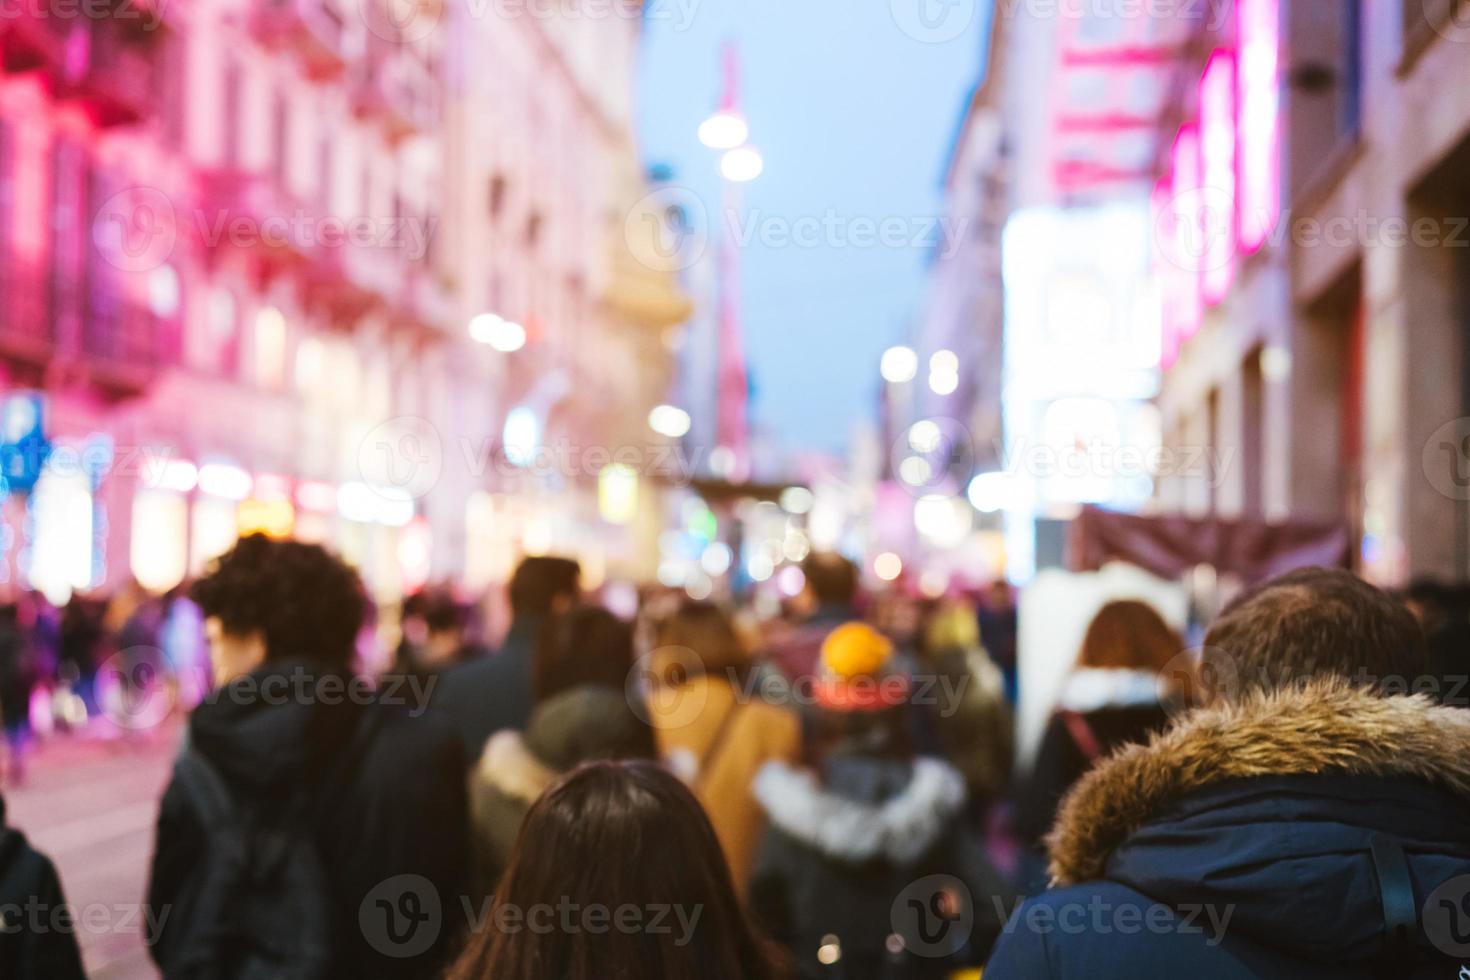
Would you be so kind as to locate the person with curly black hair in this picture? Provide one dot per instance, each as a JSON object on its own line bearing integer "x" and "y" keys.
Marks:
{"x": 301, "y": 792}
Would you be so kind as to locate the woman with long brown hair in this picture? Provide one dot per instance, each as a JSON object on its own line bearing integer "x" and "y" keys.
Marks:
{"x": 617, "y": 875}
{"x": 1111, "y": 698}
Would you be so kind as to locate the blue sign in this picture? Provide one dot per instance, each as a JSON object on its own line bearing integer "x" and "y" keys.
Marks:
{"x": 24, "y": 447}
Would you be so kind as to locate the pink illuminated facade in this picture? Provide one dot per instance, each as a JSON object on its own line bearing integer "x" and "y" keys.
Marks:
{"x": 1330, "y": 375}
{"x": 241, "y": 242}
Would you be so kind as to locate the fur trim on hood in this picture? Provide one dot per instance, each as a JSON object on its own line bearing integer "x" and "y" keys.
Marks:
{"x": 1321, "y": 727}
{"x": 508, "y": 766}
{"x": 900, "y": 829}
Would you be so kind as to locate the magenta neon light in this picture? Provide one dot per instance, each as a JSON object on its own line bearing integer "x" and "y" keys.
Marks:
{"x": 1165, "y": 273}
{"x": 1188, "y": 248}
{"x": 1259, "y": 79}
{"x": 1215, "y": 204}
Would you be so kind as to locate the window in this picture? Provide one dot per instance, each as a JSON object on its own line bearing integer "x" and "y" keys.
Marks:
{"x": 217, "y": 348}
{"x": 268, "y": 348}
{"x": 232, "y": 86}
{"x": 497, "y": 196}
{"x": 281, "y": 139}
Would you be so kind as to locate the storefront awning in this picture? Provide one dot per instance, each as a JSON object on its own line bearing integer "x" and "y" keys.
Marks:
{"x": 1169, "y": 546}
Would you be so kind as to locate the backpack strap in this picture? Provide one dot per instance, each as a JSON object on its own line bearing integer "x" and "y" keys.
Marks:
{"x": 717, "y": 743}
{"x": 1396, "y": 892}
{"x": 1082, "y": 735}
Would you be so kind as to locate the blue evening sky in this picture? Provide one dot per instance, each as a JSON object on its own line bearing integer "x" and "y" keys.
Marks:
{"x": 854, "y": 104}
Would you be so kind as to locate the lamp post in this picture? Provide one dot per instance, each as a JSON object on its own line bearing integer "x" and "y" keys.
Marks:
{"x": 727, "y": 131}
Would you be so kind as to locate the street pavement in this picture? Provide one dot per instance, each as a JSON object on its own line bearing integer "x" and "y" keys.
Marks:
{"x": 90, "y": 803}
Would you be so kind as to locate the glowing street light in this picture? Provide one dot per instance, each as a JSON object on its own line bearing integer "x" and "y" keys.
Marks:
{"x": 742, "y": 164}
{"x": 724, "y": 130}
{"x": 899, "y": 364}
{"x": 504, "y": 335}
{"x": 669, "y": 421}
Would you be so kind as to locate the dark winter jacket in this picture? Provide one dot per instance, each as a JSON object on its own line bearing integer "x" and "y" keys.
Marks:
{"x": 840, "y": 860}
{"x": 492, "y": 693}
{"x": 398, "y": 808}
{"x": 38, "y": 937}
{"x": 1283, "y": 837}
{"x": 573, "y": 727}
{"x": 1099, "y": 711}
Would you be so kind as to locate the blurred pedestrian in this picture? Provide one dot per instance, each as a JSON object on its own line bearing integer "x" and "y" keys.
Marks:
{"x": 971, "y": 715}
{"x": 713, "y": 726}
{"x": 297, "y": 794}
{"x": 1443, "y": 610}
{"x": 828, "y": 599}
{"x": 81, "y": 640}
{"x": 1111, "y": 698}
{"x": 17, "y": 679}
{"x": 617, "y": 874}
{"x": 185, "y": 650}
{"x": 1305, "y": 823}
{"x": 999, "y": 625}
{"x": 433, "y": 637}
{"x": 495, "y": 692}
{"x": 861, "y": 821}
{"x": 37, "y": 927}
{"x": 582, "y": 713}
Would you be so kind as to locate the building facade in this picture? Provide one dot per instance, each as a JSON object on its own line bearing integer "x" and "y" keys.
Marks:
{"x": 243, "y": 246}
{"x": 1325, "y": 355}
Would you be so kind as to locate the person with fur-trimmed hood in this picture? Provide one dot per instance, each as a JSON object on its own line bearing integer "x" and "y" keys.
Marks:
{"x": 1306, "y": 822}
{"x": 863, "y": 823}
{"x": 582, "y": 714}
{"x": 1111, "y": 698}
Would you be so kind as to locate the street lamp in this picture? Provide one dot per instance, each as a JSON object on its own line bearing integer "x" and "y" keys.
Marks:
{"x": 724, "y": 130}
{"x": 504, "y": 335}
{"x": 742, "y": 164}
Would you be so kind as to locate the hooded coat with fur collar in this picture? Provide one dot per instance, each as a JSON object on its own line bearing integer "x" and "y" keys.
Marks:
{"x": 1264, "y": 839}
{"x": 839, "y": 852}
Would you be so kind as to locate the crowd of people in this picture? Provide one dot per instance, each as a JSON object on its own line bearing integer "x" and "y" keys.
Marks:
{"x": 697, "y": 793}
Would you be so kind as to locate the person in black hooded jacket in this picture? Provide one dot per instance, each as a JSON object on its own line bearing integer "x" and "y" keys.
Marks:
{"x": 37, "y": 933}
{"x": 306, "y": 753}
{"x": 1304, "y": 823}
{"x": 867, "y": 870}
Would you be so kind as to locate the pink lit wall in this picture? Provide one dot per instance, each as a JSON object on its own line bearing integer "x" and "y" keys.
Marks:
{"x": 1259, "y": 199}
{"x": 1217, "y": 199}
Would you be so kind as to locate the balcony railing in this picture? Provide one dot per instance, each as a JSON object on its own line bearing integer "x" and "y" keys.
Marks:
{"x": 399, "y": 91}
{"x": 27, "y": 333}
{"x": 121, "y": 344}
{"x": 35, "y": 39}
{"x": 115, "y": 79}
{"x": 312, "y": 29}
{"x": 250, "y": 211}
{"x": 342, "y": 283}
